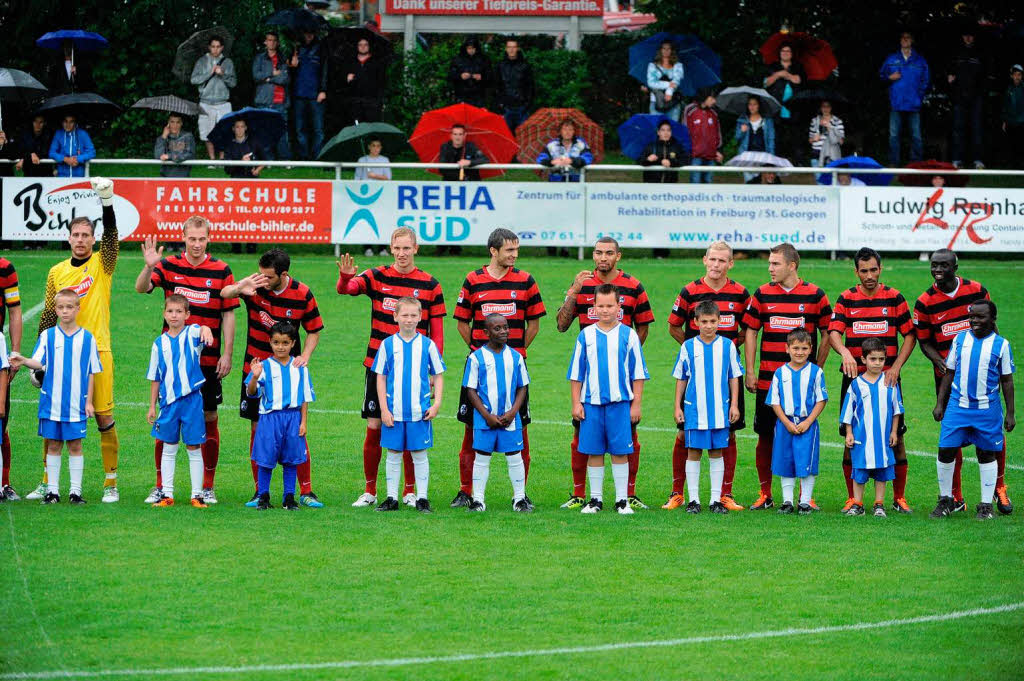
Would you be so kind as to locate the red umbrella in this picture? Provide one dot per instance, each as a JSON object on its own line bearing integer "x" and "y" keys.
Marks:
{"x": 916, "y": 180}
{"x": 488, "y": 131}
{"x": 545, "y": 125}
{"x": 814, "y": 54}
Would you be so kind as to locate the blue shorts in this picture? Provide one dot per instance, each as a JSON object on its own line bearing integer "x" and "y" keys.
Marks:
{"x": 606, "y": 429}
{"x": 277, "y": 439}
{"x": 61, "y": 430}
{"x": 489, "y": 440}
{"x": 862, "y": 475}
{"x": 411, "y": 435}
{"x": 184, "y": 416}
{"x": 982, "y": 428}
{"x": 795, "y": 456}
{"x": 708, "y": 439}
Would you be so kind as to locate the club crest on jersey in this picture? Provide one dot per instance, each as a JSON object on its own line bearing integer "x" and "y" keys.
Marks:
{"x": 209, "y": 282}
{"x": 266, "y": 319}
{"x": 504, "y": 309}
{"x": 513, "y": 295}
{"x": 288, "y": 313}
{"x": 885, "y": 311}
{"x": 83, "y": 287}
{"x": 193, "y": 296}
{"x": 800, "y": 308}
{"x": 732, "y": 306}
{"x": 415, "y": 293}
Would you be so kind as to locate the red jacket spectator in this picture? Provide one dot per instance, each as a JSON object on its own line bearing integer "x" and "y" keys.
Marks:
{"x": 705, "y": 132}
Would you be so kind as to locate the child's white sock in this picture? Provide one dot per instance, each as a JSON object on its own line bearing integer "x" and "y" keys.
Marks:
{"x": 392, "y": 471}
{"x": 421, "y": 467}
{"x": 989, "y": 473}
{"x": 170, "y": 452}
{"x": 787, "y": 489}
{"x": 717, "y": 467}
{"x": 945, "y": 478}
{"x": 595, "y": 475}
{"x": 76, "y": 464}
{"x": 53, "y": 473}
{"x": 620, "y": 474}
{"x": 517, "y": 474}
{"x": 693, "y": 479}
{"x": 806, "y": 489}
{"x": 481, "y": 471}
{"x": 195, "y": 470}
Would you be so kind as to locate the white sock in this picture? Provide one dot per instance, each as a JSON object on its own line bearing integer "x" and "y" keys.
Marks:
{"x": 595, "y": 475}
{"x": 195, "y": 470}
{"x": 76, "y": 464}
{"x": 53, "y": 473}
{"x": 421, "y": 467}
{"x": 806, "y": 489}
{"x": 787, "y": 489}
{"x": 945, "y": 478}
{"x": 392, "y": 471}
{"x": 517, "y": 474}
{"x": 167, "y": 468}
{"x": 717, "y": 467}
{"x": 693, "y": 479}
{"x": 989, "y": 473}
{"x": 620, "y": 474}
{"x": 481, "y": 471}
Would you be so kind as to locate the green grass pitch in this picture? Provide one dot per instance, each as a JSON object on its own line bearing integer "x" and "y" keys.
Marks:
{"x": 133, "y": 592}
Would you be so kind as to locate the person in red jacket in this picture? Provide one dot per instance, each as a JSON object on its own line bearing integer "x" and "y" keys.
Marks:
{"x": 701, "y": 119}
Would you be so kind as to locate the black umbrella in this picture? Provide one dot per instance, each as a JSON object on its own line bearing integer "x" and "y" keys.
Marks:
{"x": 18, "y": 87}
{"x": 345, "y": 39}
{"x": 196, "y": 46}
{"x": 297, "y": 20}
{"x": 734, "y": 100}
{"x": 168, "y": 103}
{"x": 264, "y": 125}
{"x": 82, "y": 105}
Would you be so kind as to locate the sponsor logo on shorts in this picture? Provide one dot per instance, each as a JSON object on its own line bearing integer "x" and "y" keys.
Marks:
{"x": 953, "y": 328}
{"x": 504, "y": 309}
{"x": 785, "y": 323}
{"x": 389, "y": 304}
{"x": 193, "y": 296}
{"x": 870, "y": 328}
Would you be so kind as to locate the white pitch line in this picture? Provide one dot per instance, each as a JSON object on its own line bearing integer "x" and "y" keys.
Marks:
{"x": 33, "y": 311}
{"x": 505, "y": 654}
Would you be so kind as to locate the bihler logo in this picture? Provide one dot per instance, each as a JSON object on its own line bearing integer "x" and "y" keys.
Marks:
{"x": 504, "y": 309}
{"x": 953, "y": 328}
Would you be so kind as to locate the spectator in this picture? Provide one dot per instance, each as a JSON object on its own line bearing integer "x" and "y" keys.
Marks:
{"x": 71, "y": 148}
{"x": 665, "y": 151}
{"x": 470, "y": 74}
{"x": 309, "y": 90}
{"x": 754, "y": 132}
{"x": 705, "y": 134}
{"x": 515, "y": 85}
{"x": 458, "y": 150}
{"x": 968, "y": 79}
{"x": 1013, "y": 116}
{"x": 174, "y": 146}
{"x": 365, "y": 79}
{"x": 242, "y": 148}
{"x": 8, "y": 152}
{"x": 270, "y": 76}
{"x": 826, "y": 136}
{"x": 908, "y": 77}
{"x": 664, "y": 74}
{"x": 565, "y": 154}
{"x": 374, "y": 146}
{"x": 783, "y": 81}
{"x": 769, "y": 177}
{"x": 34, "y": 147}
{"x": 214, "y": 73}
{"x": 70, "y": 73}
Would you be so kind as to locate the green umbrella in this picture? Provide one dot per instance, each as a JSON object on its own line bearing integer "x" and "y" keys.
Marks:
{"x": 350, "y": 143}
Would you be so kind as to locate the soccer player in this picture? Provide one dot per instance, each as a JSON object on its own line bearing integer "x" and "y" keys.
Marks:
{"x": 384, "y": 285}
{"x": 707, "y": 374}
{"x": 873, "y": 310}
{"x": 10, "y": 304}
{"x": 272, "y": 295}
{"x": 199, "y": 277}
{"x": 177, "y": 381}
{"x": 496, "y": 288}
{"x": 939, "y": 315}
{"x": 636, "y": 312}
{"x": 284, "y": 390}
{"x": 408, "y": 367}
{"x": 67, "y": 393}
{"x": 870, "y": 415}
{"x": 89, "y": 273}
{"x": 495, "y": 380}
{"x": 607, "y": 374}
{"x": 732, "y": 299}
{"x": 797, "y": 396}
{"x": 777, "y": 308}
{"x": 978, "y": 364}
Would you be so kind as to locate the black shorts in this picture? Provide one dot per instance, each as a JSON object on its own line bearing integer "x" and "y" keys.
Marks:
{"x": 764, "y": 415}
{"x": 371, "y": 408}
{"x": 212, "y": 391}
{"x": 740, "y": 424}
{"x": 900, "y": 429}
{"x": 465, "y": 413}
{"x": 248, "y": 407}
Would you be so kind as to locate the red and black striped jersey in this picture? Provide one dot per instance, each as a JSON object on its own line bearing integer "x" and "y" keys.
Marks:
{"x": 384, "y": 285}
{"x": 939, "y": 317}
{"x": 515, "y": 296}
{"x": 775, "y": 312}
{"x": 295, "y": 304}
{"x": 8, "y": 289}
{"x": 636, "y": 308}
{"x": 884, "y": 315}
{"x": 201, "y": 285}
{"x": 732, "y": 300}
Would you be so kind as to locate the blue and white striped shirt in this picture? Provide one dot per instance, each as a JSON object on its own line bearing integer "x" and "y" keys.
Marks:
{"x": 68, "y": 361}
{"x": 408, "y": 365}
{"x": 869, "y": 408}
{"x": 495, "y": 376}
{"x": 4, "y": 361}
{"x": 797, "y": 391}
{"x": 282, "y": 386}
{"x": 978, "y": 364}
{"x": 174, "y": 362}
{"x": 607, "y": 363}
{"x": 707, "y": 368}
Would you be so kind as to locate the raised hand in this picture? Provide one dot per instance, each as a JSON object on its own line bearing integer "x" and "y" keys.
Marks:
{"x": 250, "y": 284}
{"x": 346, "y": 265}
{"x": 150, "y": 253}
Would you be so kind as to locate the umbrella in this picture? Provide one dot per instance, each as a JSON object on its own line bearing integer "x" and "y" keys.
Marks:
{"x": 758, "y": 159}
{"x": 701, "y": 66}
{"x": 734, "y": 100}
{"x": 196, "y": 46}
{"x": 915, "y": 180}
{"x": 815, "y": 95}
{"x": 82, "y": 105}
{"x": 168, "y": 103}
{"x": 872, "y": 179}
{"x": 488, "y": 131}
{"x": 18, "y": 87}
{"x": 344, "y": 40}
{"x": 350, "y": 143}
{"x": 642, "y": 129}
{"x": 83, "y": 41}
{"x": 814, "y": 54}
{"x": 264, "y": 125}
{"x": 296, "y": 20}
{"x": 544, "y": 125}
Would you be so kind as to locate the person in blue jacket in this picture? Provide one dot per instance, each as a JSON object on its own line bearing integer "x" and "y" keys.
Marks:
{"x": 906, "y": 72}
{"x": 565, "y": 154}
{"x": 754, "y": 132}
{"x": 71, "y": 148}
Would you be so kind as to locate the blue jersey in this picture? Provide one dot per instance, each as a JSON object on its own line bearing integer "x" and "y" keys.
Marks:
{"x": 69, "y": 361}
{"x": 174, "y": 362}
{"x": 4, "y": 361}
{"x": 495, "y": 376}
{"x": 607, "y": 363}
{"x": 870, "y": 409}
{"x": 978, "y": 364}
{"x": 707, "y": 368}
{"x": 282, "y": 386}
{"x": 408, "y": 365}
{"x": 797, "y": 391}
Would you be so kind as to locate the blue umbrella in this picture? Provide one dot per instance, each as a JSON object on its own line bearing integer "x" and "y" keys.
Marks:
{"x": 265, "y": 126}
{"x": 83, "y": 41}
{"x": 701, "y": 66}
{"x": 642, "y": 129}
{"x": 872, "y": 179}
